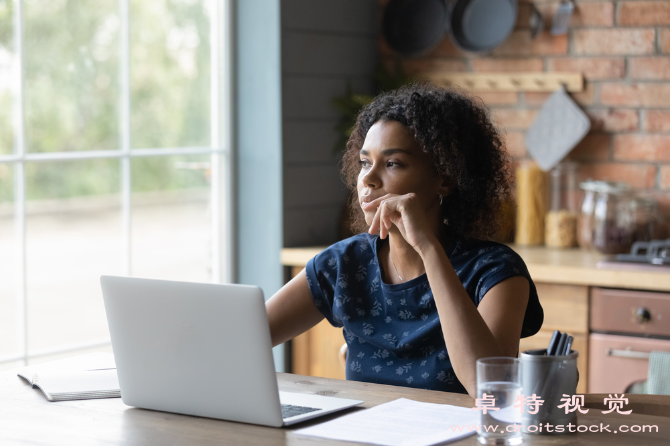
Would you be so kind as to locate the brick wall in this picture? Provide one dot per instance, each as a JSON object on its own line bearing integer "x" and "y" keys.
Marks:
{"x": 623, "y": 50}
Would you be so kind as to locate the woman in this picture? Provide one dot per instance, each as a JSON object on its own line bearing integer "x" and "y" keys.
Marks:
{"x": 421, "y": 294}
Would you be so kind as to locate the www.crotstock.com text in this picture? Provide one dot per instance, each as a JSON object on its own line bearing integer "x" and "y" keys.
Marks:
{"x": 554, "y": 428}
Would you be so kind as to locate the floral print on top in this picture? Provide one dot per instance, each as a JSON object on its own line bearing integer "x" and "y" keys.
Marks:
{"x": 393, "y": 332}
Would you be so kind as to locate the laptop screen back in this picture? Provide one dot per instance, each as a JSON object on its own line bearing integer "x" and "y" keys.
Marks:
{"x": 193, "y": 348}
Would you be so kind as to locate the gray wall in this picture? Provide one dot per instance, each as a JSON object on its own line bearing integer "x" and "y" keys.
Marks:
{"x": 324, "y": 44}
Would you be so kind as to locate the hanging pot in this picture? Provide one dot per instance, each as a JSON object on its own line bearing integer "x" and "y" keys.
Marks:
{"x": 414, "y": 27}
{"x": 481, "y": 25}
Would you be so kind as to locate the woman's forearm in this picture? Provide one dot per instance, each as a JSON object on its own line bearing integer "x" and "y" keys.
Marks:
{"x": 466, "y": 335}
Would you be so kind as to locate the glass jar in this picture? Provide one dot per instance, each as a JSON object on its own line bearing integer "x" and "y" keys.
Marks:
{"x": 531, "y": 199}
{"x": 612, "y": 220}
{"x": 646, "y": 219}
{"x": 561, "y": 220}
{"x": 585, "y": 221}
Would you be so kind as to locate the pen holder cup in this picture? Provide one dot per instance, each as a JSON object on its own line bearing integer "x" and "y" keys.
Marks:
{"x": 550, "y": 378}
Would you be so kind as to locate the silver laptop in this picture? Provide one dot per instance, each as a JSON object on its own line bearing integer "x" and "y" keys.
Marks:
{"x": 201, "y": 349}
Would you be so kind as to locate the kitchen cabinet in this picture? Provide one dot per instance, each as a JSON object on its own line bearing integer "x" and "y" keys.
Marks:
{"x": 565, "y": 280}
{"x": 626, "y": 326}
{"x": 316, "y": 352}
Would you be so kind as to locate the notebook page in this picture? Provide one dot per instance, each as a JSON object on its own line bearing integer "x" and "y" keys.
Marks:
{"x": 76, "y": 385}
{"x": 90, "y": 361}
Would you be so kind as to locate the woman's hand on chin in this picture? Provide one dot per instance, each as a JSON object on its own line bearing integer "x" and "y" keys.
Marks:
{"x": 405, "y": 213}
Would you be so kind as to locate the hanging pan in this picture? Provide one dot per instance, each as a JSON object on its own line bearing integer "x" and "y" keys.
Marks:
{"x": 414, "y": 27}
{"x": 481, "y": 25}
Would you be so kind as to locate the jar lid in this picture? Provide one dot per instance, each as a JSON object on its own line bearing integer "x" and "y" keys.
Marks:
{"x": 589, "y": 185}
{"x": 608, "y": 187}
{"x": 613, "y": 187}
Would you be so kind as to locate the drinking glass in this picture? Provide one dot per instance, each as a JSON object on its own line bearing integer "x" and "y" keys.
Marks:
{"x": 498, "y": 378}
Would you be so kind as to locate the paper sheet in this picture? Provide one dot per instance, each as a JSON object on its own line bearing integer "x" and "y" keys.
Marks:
{"x": 80, "y": 363}
{"x": 95, "y": 381}
{"x": 401, "y": 422}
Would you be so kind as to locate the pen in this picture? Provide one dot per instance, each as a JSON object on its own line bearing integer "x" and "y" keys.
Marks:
{"x": 552, "y": 344}
{"x": 568, "y": 344}
{"x": 561, "y": 344}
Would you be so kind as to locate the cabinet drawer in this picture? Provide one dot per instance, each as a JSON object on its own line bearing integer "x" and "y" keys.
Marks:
{"x": 626, "y": 311}
{"x": 611, "y": 370}
{"x": 566, "y": 307}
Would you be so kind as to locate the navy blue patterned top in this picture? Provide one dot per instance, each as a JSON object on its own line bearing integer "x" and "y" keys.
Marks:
{"x": 393, "y": 332}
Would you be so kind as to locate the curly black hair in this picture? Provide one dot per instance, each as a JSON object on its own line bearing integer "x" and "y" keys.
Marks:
{"x": 463, "y": 144}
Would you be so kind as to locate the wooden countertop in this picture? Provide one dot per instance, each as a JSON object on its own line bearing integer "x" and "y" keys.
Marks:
{"x": 28, "y": 418}
{"x": 563, "y": 266}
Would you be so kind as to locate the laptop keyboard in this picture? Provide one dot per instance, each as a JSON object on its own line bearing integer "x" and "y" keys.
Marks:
{"x": 288, "y": 410}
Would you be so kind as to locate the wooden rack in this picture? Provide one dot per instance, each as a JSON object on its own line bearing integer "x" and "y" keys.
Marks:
{"x": 572, "y": 82}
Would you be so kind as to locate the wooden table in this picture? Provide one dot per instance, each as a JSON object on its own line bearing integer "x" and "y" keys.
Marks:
{"x": 27, "y": 418}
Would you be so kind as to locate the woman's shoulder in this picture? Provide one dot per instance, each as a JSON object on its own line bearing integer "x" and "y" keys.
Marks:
{"x": 359, "y": 245}
{"x": 476, "y": 259}
{"x": 474, "y": 249}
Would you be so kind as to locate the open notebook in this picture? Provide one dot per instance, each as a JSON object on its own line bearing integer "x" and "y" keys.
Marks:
{"x": 78, "y": 378}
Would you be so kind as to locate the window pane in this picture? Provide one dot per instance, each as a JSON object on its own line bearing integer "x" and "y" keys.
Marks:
{"x": 71, "y": 75}
{"x": 8, "y": 265}
{"x": 171, "y": 223}
{"x": 69, "y": 354}
{"x": 6, "y": 77}
{"x": 169, "y": 73}
{"x": 73, "y": 236}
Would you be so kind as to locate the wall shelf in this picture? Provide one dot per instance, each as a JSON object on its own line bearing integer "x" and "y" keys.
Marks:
{"x": 547, "y": 82}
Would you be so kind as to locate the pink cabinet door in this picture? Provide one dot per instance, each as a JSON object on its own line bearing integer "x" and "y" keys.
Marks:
{"x": 615, "y": 362}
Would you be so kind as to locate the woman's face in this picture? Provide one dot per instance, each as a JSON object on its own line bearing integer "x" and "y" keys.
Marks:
{"x": 393, "y": 163}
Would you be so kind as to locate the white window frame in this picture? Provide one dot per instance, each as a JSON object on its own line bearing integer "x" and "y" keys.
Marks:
{"x": 220, "y": 150}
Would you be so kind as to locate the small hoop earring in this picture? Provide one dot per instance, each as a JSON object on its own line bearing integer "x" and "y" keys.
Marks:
{"x": 441, "y": 198}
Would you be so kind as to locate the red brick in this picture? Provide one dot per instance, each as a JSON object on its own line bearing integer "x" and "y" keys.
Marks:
{"x": 594, "y": 147}
{"x": 614, "y": 120}
{"x": 593, "y": 14}
{"x": 649, "y": 67}
{"x": 636, "y": 175}
{"x": 512, "y": 118}
{"x": 657, "y": 121}
{"x": 636, "y": 95}
{"x": 516, "y": 144}
{"x": 413, "y": 67}
{"x": 519, "y": 43}
{"x": 591, "y": 67}
{"x": 642, "y": 13}
{"x": 614, "y": 41}
{"x": 584, "y": 97}
{"x": 507, "y": 65}
{"x": 642, "y": 147}
{"x": 496, "y": 97}
{"x": 665, "y": 177}
{"x": 665, "y": 40}
{"x": 584, "y": 14}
